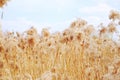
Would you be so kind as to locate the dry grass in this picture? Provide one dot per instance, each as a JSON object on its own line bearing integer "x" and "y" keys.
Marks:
{"x": 3, "y": 2}
{"x": 77, "y": 53}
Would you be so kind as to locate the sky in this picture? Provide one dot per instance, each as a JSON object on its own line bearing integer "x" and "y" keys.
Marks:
{"x": 57, "y": 15}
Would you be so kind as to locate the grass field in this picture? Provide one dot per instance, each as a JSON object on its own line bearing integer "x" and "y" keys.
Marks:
{"x": 80, "y": 52}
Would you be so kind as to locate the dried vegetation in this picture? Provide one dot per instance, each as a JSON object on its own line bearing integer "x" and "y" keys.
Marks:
{"x": 80, "y": 52}
{"x": 3, "y": 2}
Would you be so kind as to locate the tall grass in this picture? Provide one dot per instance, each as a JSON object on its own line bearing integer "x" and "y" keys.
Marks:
{"x": 81, "y": 52}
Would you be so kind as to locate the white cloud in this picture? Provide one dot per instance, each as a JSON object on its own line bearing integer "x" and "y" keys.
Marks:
{"x": 92, "y": 20}
{"x": 22, "y": 24}
{"x": 96, "y": 20}
{"x": 96, "y": 9}
{"x": 97, "y": 14}
{"x": 44, "y": 9}
{"x": 32, "y": 5}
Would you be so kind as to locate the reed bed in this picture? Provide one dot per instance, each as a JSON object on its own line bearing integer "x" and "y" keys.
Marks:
{"x": 80, "y": 52}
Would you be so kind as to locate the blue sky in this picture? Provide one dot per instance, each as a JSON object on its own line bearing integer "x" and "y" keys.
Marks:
{"x": 20, "y": 15}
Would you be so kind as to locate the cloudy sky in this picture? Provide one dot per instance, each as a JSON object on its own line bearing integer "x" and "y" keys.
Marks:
{"x": 20, "y": 15}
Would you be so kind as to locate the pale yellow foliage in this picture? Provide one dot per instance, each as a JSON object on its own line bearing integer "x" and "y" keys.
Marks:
{"x": 3, "y": 2}
{"x": 114, "y": 15}
{"x": 74, "y": 54}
